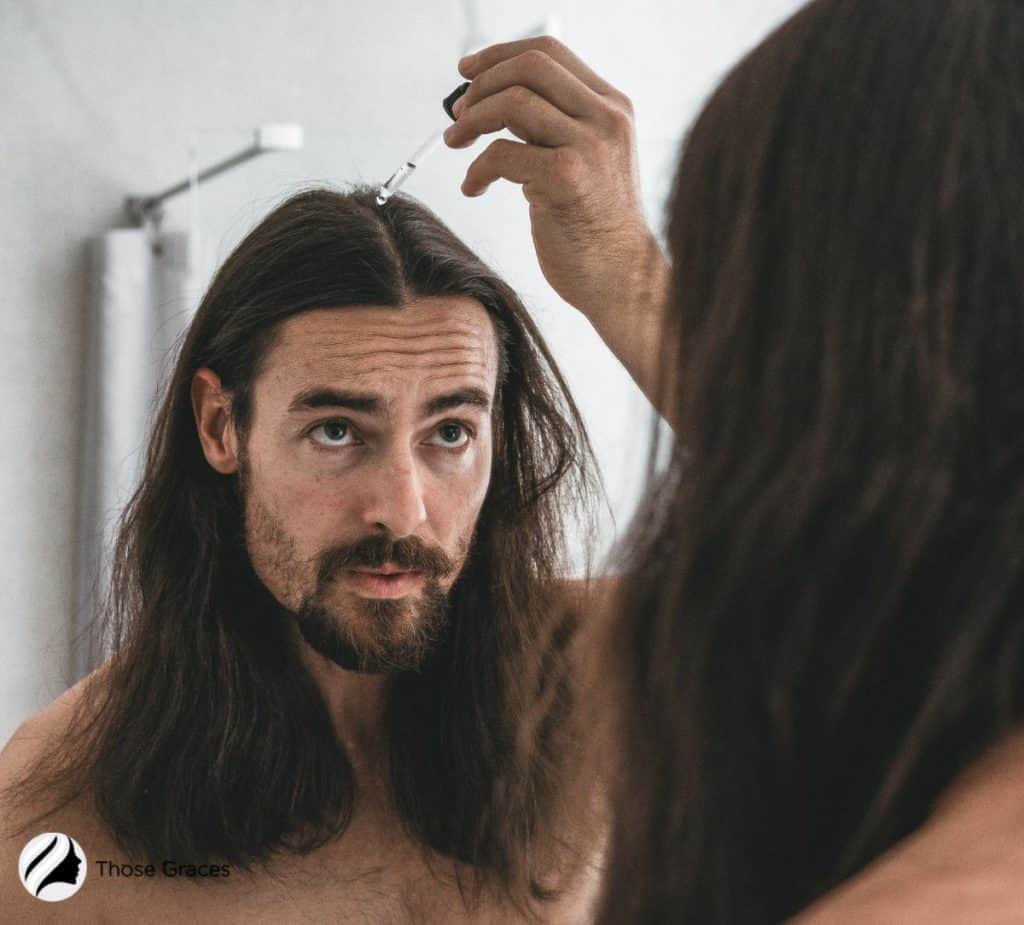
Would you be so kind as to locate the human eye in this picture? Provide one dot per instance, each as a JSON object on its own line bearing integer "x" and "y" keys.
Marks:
{"x": 333, "y": 434}
{"x": 451, "y": 435}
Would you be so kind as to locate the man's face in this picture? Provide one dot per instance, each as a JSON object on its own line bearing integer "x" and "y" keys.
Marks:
{"x": 366, "y": 462}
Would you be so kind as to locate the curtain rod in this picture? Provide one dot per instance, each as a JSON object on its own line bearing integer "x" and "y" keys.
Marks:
{"x": 266, "y": 138}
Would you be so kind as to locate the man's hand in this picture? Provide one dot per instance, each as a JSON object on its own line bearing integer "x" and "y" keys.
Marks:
{"x": 576, "y": 161}
{"x": 577, "y": 165}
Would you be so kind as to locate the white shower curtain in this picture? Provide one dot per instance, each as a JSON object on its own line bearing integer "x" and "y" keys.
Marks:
{"x": 141, "y": 301}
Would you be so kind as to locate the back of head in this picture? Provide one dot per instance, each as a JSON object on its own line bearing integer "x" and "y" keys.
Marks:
{"x": 209, "y": 739}
{"x": 825, "y": 615}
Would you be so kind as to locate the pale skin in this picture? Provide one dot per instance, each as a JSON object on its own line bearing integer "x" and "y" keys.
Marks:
{"x": 576, "y": 163}
{"x": 367, "y": 419}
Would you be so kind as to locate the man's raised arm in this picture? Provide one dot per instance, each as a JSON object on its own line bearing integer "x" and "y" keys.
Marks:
{"x": 577, "y": 165}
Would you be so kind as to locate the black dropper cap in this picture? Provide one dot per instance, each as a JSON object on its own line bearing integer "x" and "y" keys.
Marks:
{"x": 450, "y": 99}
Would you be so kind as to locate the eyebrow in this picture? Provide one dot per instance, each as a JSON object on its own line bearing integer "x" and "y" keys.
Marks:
{"x": 475, "y": 397}
{"x": 320, "y": 397}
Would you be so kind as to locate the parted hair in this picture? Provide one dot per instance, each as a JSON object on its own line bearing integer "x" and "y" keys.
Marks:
{"x": 825, "y": 619}
{"x": 207, "y": 739}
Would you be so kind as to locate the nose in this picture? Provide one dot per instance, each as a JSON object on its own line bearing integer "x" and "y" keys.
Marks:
{"x": 394, "y": 497}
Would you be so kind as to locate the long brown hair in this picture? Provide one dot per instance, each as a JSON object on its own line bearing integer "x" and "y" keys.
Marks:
{"x": 824, "y": 620}
{"x": 208, "y": 739}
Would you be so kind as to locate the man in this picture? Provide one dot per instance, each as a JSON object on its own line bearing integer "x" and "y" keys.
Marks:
{"x": 339, "y": 688}
{"x": 940, "y": 841}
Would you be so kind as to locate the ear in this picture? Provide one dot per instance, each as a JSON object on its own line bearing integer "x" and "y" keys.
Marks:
{"x": 211, "y": 406}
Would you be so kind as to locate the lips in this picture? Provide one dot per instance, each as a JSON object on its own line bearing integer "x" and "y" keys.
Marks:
{"x": 384, "y": 582}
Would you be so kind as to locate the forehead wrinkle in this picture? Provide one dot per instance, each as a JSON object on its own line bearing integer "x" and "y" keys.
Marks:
{"x": 364, "y": 374}
{"x": 391, "y": 344}
{"x": 354, "y": 346}
{"x": 453, "y": 328}
{"x": 454, "y": 380}
{"x": 447, "y": 369}
{"x": 354, "y": 349}
{"x": 352, "y": 367}
{"x": 454, "y": 355}
{"x": 453, "y": 372}
{"x": 479, "y": 334}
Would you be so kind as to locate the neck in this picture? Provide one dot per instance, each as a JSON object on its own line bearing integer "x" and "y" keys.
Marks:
{"x": 355, "y": 702}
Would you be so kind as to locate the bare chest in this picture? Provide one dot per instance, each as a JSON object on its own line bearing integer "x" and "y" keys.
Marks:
{"x": 360, "y": 879}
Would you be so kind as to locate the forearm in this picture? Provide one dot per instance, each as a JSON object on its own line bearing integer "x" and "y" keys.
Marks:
{"x": 629, "y": 317}
{"x": 577, "y": 166}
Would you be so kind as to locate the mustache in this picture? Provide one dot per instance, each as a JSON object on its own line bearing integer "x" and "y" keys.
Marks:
{"x": 409, "y": 553}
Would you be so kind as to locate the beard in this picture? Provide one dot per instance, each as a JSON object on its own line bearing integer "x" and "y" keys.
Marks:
{"x": 356, "y": 633}
{"x": 377, "y": 635}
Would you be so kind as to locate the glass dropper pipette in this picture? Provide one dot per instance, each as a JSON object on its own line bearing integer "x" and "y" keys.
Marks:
{"x": 398, "y": 178}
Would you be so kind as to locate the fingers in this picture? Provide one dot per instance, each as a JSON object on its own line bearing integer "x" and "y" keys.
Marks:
{"x": 526, "y": 75}
{"x": 551, "y": 175}
{"x": 473, "y": 65}
{"x": 537, "y": 71}
{"x": 578, "y": 129}
{"x": 502, "y": 159}
{"x": 520, "y": 110}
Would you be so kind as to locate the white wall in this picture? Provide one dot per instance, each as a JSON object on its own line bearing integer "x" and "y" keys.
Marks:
{"x": 102, "y": 99}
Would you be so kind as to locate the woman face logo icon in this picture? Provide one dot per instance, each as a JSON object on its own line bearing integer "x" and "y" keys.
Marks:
{"x": 52, "y": 866}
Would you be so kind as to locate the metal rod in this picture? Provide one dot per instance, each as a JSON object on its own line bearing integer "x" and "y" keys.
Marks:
{"x": 140, "y": 208}
{"x": 206, "y": 174}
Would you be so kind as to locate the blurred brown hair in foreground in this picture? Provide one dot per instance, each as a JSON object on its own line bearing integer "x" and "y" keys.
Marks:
{"x": 824, "y": 621}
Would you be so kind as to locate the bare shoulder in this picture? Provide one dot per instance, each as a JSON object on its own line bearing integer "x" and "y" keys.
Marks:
{"x": 965, "y": 864}
{"x": 31, "y": 739}
{"x": 914, "y": 889}
{"x": 30, "y": 742}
